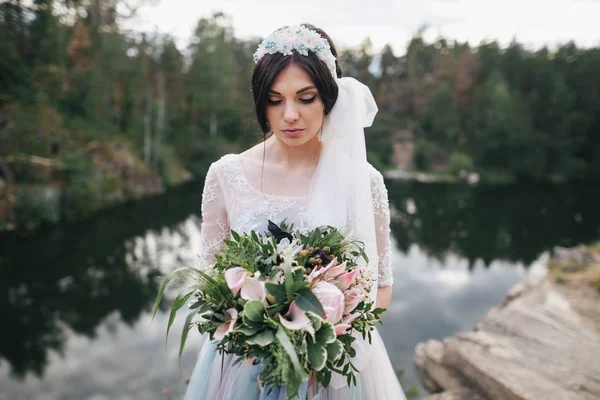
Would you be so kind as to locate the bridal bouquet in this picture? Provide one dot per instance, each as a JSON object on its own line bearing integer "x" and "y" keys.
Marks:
{"x": 289, "y": 301}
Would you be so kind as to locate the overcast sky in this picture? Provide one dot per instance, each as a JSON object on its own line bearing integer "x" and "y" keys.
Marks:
{"x": 533, "y": 22}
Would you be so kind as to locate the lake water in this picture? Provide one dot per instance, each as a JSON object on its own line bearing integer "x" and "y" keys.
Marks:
{"x": 76, "y": 298}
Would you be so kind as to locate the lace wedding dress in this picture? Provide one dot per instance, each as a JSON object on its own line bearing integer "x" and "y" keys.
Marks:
{"x": 230, "y": 201}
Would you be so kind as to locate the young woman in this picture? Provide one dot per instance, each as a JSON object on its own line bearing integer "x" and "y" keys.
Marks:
{"x": 311, "y": 170}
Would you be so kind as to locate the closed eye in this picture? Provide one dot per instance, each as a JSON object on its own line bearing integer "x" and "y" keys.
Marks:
{"x": 309, "y": 100}
{"x": 274, "y": 102}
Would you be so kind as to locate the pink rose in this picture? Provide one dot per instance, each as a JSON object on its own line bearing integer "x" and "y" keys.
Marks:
{"x": 332, "y": 300}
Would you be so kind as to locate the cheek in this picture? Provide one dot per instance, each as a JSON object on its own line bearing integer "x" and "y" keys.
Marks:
{"x": 317, "y": 113}
{"x": 270, "y": 114}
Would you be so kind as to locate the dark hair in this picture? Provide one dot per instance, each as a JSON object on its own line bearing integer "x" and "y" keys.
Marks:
{"x": 267, "y": 69}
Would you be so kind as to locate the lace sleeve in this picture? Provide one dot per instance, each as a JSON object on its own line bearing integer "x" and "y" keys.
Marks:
{"x": 215, "y": 224}
{"x": 381, "y": 208}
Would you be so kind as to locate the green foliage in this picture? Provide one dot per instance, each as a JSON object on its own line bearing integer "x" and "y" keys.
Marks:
{"x": 37, "y": 204}
{"x": 307, "y": 301}
{"x": 441, "y": 123}
{"x": 167, "y": 165}
{"x": 380, "y": 138}
{"x": 33, "y": 129}
{"x": 83, "y": 193}
{"x": 460, "y": 162}
{"x": 64, "y": 82}
{"x": 257, "y": 328}
{"x": 428, "y": 154}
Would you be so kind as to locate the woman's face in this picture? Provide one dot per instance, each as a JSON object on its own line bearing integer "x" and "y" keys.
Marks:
{"x": 294, "y": 108}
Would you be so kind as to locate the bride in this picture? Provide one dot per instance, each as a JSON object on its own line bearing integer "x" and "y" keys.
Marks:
{"x": 311, "y": 170}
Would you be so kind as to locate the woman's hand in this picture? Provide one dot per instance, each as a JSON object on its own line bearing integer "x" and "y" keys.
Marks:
{"x": 384, "y": 296}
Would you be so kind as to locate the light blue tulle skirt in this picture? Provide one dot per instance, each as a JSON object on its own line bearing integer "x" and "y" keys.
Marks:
{"x": 217, "y": 378}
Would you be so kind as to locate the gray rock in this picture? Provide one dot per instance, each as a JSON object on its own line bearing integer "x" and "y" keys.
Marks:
{"x": 432, "y": 373}
{"x": 535, "y": 346}
{"x": 575, "y": 258}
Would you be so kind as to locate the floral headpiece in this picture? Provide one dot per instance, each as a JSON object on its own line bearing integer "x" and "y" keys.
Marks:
{"x": 298, "y": 38}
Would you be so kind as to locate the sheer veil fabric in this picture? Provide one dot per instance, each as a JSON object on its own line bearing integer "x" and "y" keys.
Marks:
{"x": 340, "y": 193}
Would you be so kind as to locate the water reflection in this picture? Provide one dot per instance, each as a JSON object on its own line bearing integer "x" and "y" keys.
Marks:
{"x": 514, "y": 223}
{"x": 165, "y": 250}
{"x": 75, "y": 276}
{"x": 78, "y": 296}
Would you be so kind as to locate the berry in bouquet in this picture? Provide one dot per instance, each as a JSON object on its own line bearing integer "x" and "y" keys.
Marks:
{"x": 292, "y": 301}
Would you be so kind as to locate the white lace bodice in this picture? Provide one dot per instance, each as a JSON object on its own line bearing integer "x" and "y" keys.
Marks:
{"x": 230, "y": 202}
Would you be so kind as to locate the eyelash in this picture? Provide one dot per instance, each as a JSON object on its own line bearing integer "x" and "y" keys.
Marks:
{"x": 305, "y": 101}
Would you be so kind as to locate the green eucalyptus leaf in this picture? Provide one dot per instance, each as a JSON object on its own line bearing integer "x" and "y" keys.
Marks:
{"x": 352, "y": 352}
{"x": 254, "y": 311}
{"x": 262, "y": 339}
{"x": 218, "y": 316}
{"x": 246, "y": 330}
{"x": 196, "y": 304}
{"x": 204, "y": 308}
{"x": 307, "y": 301}
{"x": 346, "y": 369}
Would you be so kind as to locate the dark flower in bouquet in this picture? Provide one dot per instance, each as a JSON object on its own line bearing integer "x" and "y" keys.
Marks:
{"x": 292, "y": 301}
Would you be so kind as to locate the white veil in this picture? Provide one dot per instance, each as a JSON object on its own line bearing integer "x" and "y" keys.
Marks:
{"x": 340, "y": 193}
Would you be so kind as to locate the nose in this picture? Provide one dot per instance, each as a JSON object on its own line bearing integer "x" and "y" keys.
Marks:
{"x": 290, "y": 114}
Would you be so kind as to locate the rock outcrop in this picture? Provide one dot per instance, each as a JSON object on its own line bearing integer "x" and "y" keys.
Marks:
{"x": 543, "y": 342}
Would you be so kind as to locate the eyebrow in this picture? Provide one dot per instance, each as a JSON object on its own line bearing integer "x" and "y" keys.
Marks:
{"x": 298, "y": 92}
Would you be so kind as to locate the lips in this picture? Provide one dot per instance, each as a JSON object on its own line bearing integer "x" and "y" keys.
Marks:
{"x": 293, "y": 132}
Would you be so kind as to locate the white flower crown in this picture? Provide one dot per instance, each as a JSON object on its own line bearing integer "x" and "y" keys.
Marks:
{"x": 298, "y": 38}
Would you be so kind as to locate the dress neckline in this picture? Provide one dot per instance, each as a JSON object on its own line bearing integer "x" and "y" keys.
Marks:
{"x": 238, "y": 163}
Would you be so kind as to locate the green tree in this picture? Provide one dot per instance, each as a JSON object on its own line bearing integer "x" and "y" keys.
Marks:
{"x": 501, "y": 135}
{"x": 440, "y": 122}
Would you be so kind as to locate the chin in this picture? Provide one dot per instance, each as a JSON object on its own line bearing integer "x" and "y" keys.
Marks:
{"x": 296, "y": 141}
